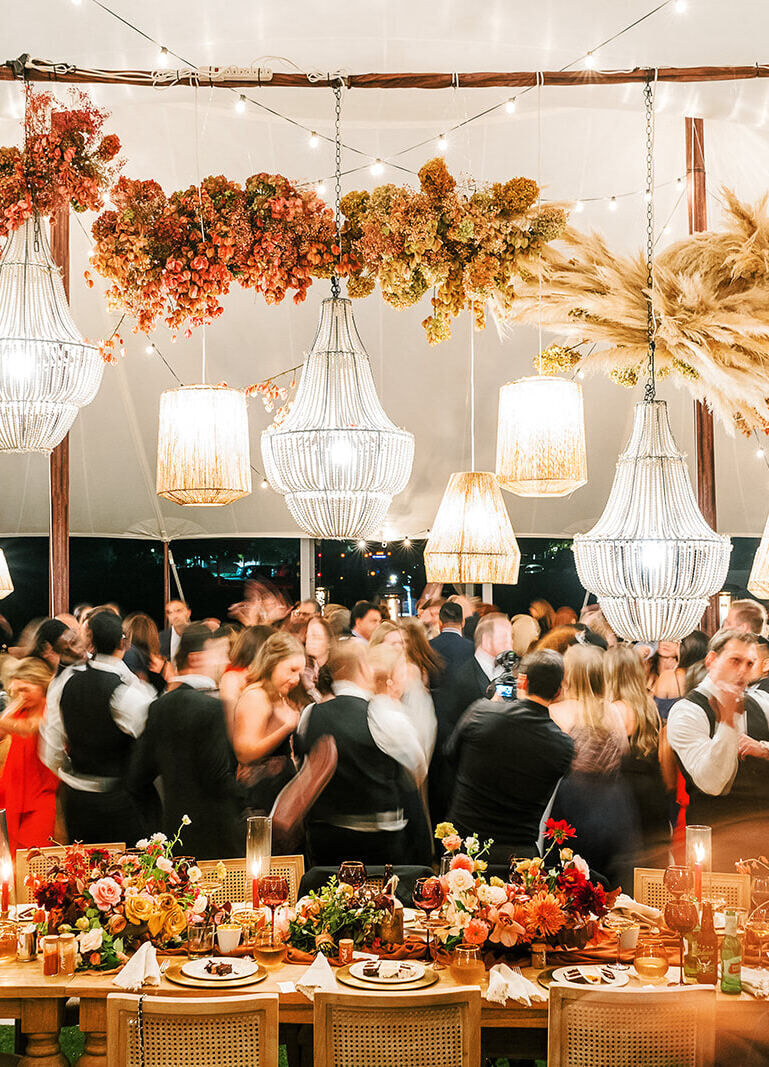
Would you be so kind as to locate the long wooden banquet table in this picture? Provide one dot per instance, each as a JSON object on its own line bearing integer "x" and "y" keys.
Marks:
{"x": 513, "y": 1030}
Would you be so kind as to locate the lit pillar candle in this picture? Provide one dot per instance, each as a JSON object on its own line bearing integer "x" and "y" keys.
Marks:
{"x": 5, "y": 893}
{"x": 699, "y": 856}
{"x": 255, "y": 873}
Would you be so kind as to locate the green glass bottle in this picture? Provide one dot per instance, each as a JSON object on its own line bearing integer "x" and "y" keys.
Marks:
{"x": 731, "y": 957}
{"x": 690, "y": 956}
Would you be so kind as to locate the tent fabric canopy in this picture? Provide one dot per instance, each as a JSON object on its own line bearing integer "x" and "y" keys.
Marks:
{"x": 592, "y": 148}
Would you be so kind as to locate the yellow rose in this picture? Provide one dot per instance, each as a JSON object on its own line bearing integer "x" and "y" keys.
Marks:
{"x": 481, "y": 865}
{"x": 166, "y": 902}
{"x": 567, "y": 855}
{"x": 138, "y": 909}
{"x": 221, "y": 871}
{"x": 175, "y": 923}
{"x": 155, "y": 922}
{"x": 495, "y": 881}
{"x": 444, "y": 829}
{"x": 523, "y": 866}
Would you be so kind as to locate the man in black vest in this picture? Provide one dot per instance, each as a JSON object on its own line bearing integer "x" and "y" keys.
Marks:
{"x": 95, "y": 712}
{"x": 185, "y": 744}
{"x": 359, "y": 814}
{"x": 451, "y": 646}
{"x": 510, "y": 757}
{"x": 178, "y": 618}
{"x": 720, "y": 734}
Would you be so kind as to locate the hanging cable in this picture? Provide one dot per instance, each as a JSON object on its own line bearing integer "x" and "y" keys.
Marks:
{"x": 335, "y": 289}
{"x": 650, "y": 391}
{"x": 472, "y": 385}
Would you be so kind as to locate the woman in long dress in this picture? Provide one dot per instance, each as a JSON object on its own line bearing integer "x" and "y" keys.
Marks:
{"x": 27, "y": 786}
{"x": 265, "y": 720}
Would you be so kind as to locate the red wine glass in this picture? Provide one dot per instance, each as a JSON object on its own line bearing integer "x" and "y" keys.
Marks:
{"x": 429, "y": 894}
{"x": 273, "y": 891}
{"x": 678, "y": 881}
{"x": 681, "y": 916}
{"x": 353, "y": 872}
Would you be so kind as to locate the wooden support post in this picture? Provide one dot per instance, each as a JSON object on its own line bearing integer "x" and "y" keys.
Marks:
{"x": 703, "y": 416}
{"x": 166, "y": 580}
{"x": 58, "y": 538}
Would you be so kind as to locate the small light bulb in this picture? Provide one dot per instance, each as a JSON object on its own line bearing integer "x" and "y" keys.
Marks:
{"x": 580, "y": 374}
{"x": 590, "y": 60}
{"x": 666, "y": 229}
{"x": 510, "y": 105}
{"x": 149, "y": 349}
{"x": 264, "y": 483}
{"x": 407, "y": 542}
{"x": 443, "y": 143}
{"x": 240, "y": 104}
{"x": 679, "y": 183}
{"x": 76, "y": 3}
{"x": 613, "y": 204}
{"x": 679, "y": 7}
{"x": 759, "y": 453}
{"x": 314, "y": 140}
{"x": 320, "y": 188}
{"x": 647, "y": 196}
{"x": 163, "y": 57}
{"x": 579, "y": 206}
{"x": 361, "y": 544}
{"x": 377, "y": 167}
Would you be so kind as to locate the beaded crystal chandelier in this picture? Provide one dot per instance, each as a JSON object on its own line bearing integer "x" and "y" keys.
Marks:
{"x": 758, "y": 583}
{"x": 47, "y": 371}
{"x": 6, "y": 583}
{"x": 337, "y": 458}
{"x": 203, "y": 447}
{"x": 651, "y": 559}
{"x": 541, "y": 437}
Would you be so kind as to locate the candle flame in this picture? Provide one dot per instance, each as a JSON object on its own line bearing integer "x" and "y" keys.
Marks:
{"x": 699, "y": 852}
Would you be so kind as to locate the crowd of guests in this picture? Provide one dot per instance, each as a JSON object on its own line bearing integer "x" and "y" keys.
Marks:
{"x": 360, "y": 732}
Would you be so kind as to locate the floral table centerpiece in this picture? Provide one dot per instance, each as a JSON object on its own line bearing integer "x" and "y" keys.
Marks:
{"x": 548, "y": 899}
{"x": 336, "y": 911}
{"x": 115, "y": 902}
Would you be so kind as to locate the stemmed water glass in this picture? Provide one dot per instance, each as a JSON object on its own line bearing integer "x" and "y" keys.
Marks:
{"x": 429, "y": 894}
{"x": 273, "y": 891}
{"x": 680, "y": 911}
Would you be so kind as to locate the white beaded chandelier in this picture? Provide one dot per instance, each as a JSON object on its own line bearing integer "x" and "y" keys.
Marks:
{"x": 651, "y": 559}
{"x": 47, "y": 371}
{"x": 337, "y": 458}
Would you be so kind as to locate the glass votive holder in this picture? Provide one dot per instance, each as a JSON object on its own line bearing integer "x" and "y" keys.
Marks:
{"x": 699, "y": 847}
{"x": 467, "y": 966}
{"x": 7, "y": 941}
{"x": 200, "y": 939}
{"x": 50, "y": 946}
{"x": 67, "y": 950}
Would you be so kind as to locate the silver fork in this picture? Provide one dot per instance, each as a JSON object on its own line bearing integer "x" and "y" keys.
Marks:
{"x": 164, "y": 967}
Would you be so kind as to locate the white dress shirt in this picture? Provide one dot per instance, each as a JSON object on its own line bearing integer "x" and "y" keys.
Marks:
{"x": 712, "y": 762}
{"x": 488, "y": 664}
{"x": 128, "y": 704}
{"x": 174, "y": 644}
{"x": 195, "y": 681}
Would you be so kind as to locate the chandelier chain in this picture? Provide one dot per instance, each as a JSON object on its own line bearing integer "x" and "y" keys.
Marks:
{"x": 650, "y": 390}
{"x": 337, "y": 181}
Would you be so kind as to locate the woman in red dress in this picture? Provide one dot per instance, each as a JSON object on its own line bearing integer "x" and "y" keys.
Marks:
{"x": 27, "y": 787}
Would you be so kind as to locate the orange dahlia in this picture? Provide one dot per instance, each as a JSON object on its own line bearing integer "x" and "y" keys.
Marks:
{"x": 545, "y": 914}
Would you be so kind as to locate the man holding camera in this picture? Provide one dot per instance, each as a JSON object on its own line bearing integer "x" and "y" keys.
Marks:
{"x": 510, "y": 757}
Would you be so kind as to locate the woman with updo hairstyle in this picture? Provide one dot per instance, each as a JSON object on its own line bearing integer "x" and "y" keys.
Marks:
{"x": 593, "y": 798}
{"x": 27, "y": 786}
{"x": 265, "y": 719}
{"x": 233, "y": 681}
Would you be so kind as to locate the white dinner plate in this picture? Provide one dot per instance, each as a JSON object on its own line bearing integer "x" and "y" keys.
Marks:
{"x": 408, "y": 971}
{"x": 590, "y": 975}
{"x": 241, "y": 968}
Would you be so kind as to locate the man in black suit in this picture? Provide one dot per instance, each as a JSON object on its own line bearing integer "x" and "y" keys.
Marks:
{"x": 177, "y": 617}
{"x": 461, "y": 687}
{"x": 185, "y": 744}
{"x": 450, "y": 645}
{"x": 510, "y": 758}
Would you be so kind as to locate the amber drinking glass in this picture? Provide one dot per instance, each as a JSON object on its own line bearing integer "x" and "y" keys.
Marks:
{"x": 273, "y": 891}
{"x": 651, "y": 959}
{"x": 467, "y": 965}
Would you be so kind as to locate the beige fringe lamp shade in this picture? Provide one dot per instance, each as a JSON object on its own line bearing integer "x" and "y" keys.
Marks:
{"x": 541, "y": 437}
{"x": 203, "y": 449}
{"x": 758, "y": 583}
{"x": 472, "y": 539}
{"x": 6, "y": 585}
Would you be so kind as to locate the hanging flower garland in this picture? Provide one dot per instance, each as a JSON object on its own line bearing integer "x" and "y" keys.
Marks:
{"x": 66, "y": 159}
{"x": 467, "y": 247}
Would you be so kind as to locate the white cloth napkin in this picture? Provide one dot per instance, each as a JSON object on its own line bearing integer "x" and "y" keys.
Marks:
{"x": 755, "y": 982}
{"x": 505, "y": 984}
{"x": 318, "y": 976}
{"x": 141, "y": 969}
{"x": 625, "y": 905}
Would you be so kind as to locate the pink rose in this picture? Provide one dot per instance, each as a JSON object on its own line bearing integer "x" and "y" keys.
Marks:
{"x": 506, "y": 930}
{"x": 164, "y": 864}
{"x": 462, "y": 861}
{"x": 106, "y": 893}
{"x": 581, "y": 865}
{"x": 476, "y": 932}
{"x": 452, "y": 842}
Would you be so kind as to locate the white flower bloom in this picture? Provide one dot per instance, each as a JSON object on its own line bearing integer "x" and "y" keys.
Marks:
{"x": 492, "y": 894}
{"x": 186, "y": 820}
{"x": 194, "y": 874}
{"x": 90, "y": 940}
{"x": 200, "y": 904}
{"x": 581, "y": 865}
{"x": 459, "y": 880}
{"x": 159, "y": 839}
{"x": 471, "y": 844}
{"x": 164, "y": 864}
{"x": 143, "y": 843}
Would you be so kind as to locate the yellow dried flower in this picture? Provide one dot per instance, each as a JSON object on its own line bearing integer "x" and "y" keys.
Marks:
{"x": 556, "y": 359}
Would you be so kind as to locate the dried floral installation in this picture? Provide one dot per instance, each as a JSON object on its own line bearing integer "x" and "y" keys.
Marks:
{"x": 711, "y": 300}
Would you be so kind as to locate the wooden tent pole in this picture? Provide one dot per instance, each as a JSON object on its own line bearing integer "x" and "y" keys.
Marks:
{"x": 58, "y": 538}
{"x": 703, "y": 416}
{"x": 166, "y": 580}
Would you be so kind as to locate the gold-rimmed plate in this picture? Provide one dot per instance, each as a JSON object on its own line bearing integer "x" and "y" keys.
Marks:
{"x": 174, "y": 974}
{"x": 428, "y": 978}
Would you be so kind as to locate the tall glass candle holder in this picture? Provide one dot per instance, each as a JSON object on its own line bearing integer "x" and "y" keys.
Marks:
{"x": 258, "y": 852}
{"x": 699, "y": 854}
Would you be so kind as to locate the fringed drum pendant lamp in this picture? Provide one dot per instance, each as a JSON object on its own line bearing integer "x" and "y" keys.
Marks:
{"x": 47, "y": 371}
{"x": 337, "y": 458}
{"x": 758, "y": 583}
{"x": 6, "y": 584}
{"x": 203, "y": 449}
{"x": 541, "y": 437}
{"x": 472, "y": 538}
{"x": 651, "y": 559}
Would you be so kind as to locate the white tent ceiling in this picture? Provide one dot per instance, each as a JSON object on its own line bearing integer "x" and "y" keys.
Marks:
{"x": 592, "y": 148}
